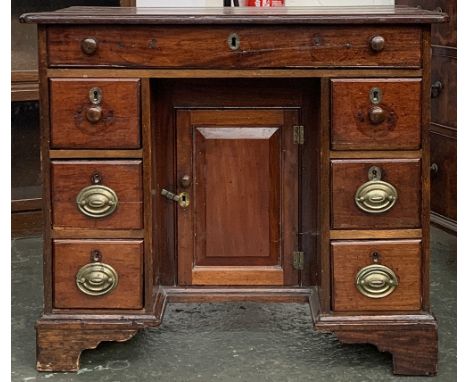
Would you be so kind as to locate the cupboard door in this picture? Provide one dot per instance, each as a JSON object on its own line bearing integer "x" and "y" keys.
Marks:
{"x": 239, "y": 169}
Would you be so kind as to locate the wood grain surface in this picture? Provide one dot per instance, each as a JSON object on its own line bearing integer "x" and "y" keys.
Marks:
{"x": 403, "y": 257}
{"x": 351, "y": 105}
{"x": 243, "y": 212}
{"x": 59, "y": 344}
{"x": 349, "y": 175}
{"x": 239, "y": 15}
{"x": 444, "y": 103}
{"x": 444, "y": 175}
{"x": 124, "y": 177}
{"x": 125, "y": 256}
{"x": 207, "y": 46}
{"x": 119, "y": 126}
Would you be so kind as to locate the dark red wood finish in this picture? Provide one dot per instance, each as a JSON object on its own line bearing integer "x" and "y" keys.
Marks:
{"x": 316, "y": 179}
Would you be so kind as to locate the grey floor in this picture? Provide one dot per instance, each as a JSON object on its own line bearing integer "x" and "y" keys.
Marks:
{"x": 228, "y": 342}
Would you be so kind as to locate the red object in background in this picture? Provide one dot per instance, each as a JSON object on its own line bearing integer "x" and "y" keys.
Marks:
{"x": 265, "y": 3}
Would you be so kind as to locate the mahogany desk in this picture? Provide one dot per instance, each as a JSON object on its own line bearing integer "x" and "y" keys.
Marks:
{"x": 273, "y": 155}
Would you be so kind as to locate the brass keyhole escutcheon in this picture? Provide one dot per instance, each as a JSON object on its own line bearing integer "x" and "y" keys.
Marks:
{"x": 96, "y": 279}
{"x": 182, "y": 199}
{"x": 233, "y": 41}
{"x": 376, "y": 281}
{"x": 375, "y": 196}
{"x": 94, "y": 113}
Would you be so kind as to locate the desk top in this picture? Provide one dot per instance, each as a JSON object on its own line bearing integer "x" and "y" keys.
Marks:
{"x": 238, "y": 15}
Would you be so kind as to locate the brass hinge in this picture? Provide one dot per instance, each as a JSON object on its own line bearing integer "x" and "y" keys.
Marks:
{"x": 298, "y": 134}
{"x": 298, "y": 260}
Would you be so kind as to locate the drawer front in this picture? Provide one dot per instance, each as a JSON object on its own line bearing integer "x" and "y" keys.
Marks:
{"x": 98, "y": 274}
{"x": 388, "y": 274}
{"x": 234, "y": 46}
{"x": 97, "y": 194}
{"x": 376, "y": 114}
{"x": 444, "y": 176}
{"x": 444, "y": 101}
{"x": 95, "y": 113}
{"x": 394, "y": 201}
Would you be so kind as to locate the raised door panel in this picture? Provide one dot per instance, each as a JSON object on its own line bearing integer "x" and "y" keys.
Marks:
{"x": 240, "y": 226}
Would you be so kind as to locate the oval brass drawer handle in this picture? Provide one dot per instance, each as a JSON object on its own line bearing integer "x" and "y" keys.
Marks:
{"x": 97, "y": 201}
{"x": 376, "y": 281}
{"x": 375, "y": 196}
{"x": 96, "y": 279}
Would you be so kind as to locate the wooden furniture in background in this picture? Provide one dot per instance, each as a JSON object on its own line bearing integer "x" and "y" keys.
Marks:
{"x": 286, "y": 169}
{"x": 26, "y": 203}
{"x": 444, "y": 113}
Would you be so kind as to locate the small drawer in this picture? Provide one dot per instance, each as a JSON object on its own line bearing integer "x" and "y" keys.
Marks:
{"x": 234, "y": 46}
{"x": 444, "y": 89}
{"x": 97, "y": 194}
{"x": 376, "y": 114}
{"x": 444, "y": 174}
{"x": 95, "y": 113}
{"x": 376, "y": 275}
{"x": 98, "y": 274}
{"x": 376, "y": 194}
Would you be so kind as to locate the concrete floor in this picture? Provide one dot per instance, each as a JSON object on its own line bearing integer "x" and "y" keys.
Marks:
{"x": 228, "y": 342}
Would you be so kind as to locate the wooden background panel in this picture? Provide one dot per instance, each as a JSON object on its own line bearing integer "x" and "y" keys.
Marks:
{"x": 442, "y": 33}
{"x": 207, "y": 46}
{"x": 351, "y": 127}
{"x": 124, "y": 177}
{"x": 403, "y": 257}
{"x": 349, "y": 175}
{"x": 125, "y": 256}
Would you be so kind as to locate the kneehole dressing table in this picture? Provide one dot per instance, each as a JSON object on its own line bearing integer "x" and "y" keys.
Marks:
{"x": 210, "y": 154}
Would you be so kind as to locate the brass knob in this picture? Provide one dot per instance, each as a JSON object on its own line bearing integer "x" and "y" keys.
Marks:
{"x": 376, "y": 281}
{"x": 185, "y": 181}
{"x": 89, "y": 46}
{"x": 97, "y": 201}
{"x": 94, "y": 114}
{"x": 96, "y": 279}
{"x": 375, "y": 196}
{"x": 377, "y": 115}
{"x": 377, "y": 43}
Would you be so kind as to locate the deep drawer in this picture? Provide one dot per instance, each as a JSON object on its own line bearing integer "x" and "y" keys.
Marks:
{"x": 390, "y": 200}
{"x": 95, "y": 113}
{"x": 234, "y": 46}
{"x": 98, "y": 274}
{"x": 376, "y": 114}
{"x": 97, "y": 194}
{"x": 376, "y": 275}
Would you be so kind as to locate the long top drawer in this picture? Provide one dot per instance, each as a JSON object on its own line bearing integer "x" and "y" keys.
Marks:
{"x": 234, "y": 46}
